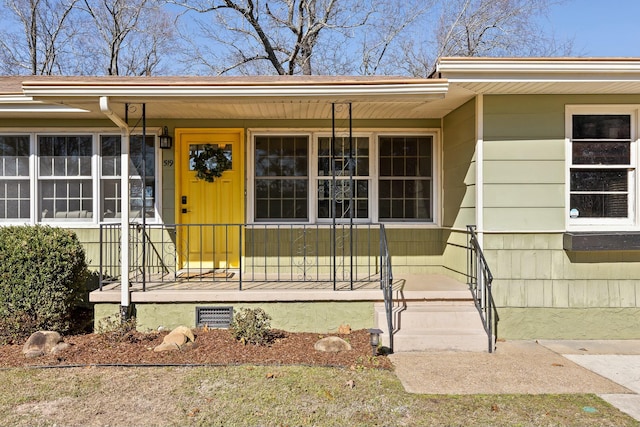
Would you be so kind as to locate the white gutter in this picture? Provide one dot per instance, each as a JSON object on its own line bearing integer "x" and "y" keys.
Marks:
{"x": 436, "y": 89}
{"x": 546, "y": 65}
{"x": 125, "y": 295}
{"x": 21, "y": 104}
{"x": 538, "y": 70}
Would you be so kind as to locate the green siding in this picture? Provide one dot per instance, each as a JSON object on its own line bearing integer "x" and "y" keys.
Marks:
{"x": 532, "y": 270}
{"x": 458, "y": 158}
{"x": 558, "y": 323}
{"x": 524, "y": 159}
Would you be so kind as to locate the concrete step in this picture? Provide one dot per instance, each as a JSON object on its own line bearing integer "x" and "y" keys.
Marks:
{"x": 434, "y": 325}
{"x": 439, "y": 340}
{"x": 431, "y": 316}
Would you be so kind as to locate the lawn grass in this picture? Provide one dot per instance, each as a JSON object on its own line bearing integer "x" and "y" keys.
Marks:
{"x": 270, "y": 396}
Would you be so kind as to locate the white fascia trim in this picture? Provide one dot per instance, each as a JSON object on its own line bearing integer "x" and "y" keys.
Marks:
{"x": 538, "y": 70}
{"x": 438, "y": 90}
{"x": 26, "y": 104}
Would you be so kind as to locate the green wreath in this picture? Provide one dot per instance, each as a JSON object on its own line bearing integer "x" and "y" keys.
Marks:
{"x": 211, "y": 162}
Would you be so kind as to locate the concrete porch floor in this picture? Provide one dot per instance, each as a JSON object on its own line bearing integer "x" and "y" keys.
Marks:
{"x": 407, "y": 287}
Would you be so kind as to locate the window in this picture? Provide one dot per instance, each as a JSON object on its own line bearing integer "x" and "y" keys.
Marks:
{"x": 602, "y": 169}
{"x": 368, "y": 177}
{"x": 405, "y": 182}
{"x": 349, "y": 159}
{"x": 281, "y": 177}
{"x": 111, "y": 174}
{"x": 76, "y": 177}
{"x": 15, "y": 192}
{"x": 64, "y": 175}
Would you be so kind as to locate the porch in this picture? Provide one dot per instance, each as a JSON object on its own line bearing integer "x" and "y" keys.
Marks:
{"x": 309, "y": 277}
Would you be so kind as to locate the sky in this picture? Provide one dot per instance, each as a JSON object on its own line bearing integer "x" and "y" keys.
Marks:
{"x": 599, "y": 27}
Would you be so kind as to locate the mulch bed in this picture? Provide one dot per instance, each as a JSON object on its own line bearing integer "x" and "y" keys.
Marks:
{"x": 212, "y": 347}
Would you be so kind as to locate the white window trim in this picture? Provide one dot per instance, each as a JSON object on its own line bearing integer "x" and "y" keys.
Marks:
{"x": 373, "y": 135}
{"x": 604, "y": 224}
{"x": 96, "y": 175}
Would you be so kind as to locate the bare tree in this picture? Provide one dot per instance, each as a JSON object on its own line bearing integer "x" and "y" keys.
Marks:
{"x": 45, "y": 32}
{"x": 131, "y": 34}
{"x": 493, "y": 28}
{"x": 285, "y": 34}
{"x": 257, "y": 37}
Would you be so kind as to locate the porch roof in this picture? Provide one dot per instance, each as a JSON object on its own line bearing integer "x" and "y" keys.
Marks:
{"x": 260, "y": 97}
{"x": 542, "y": 75}
{"x": 310, "y": 97}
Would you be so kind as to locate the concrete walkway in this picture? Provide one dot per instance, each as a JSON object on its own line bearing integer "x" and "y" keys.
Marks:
{"x": 610, "y": 369}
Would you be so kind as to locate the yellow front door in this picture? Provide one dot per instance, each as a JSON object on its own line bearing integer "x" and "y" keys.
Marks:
{"x": 212, "y": 212}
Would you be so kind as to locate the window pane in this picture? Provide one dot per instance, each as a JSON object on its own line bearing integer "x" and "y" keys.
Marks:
{"x": 599, "y": 180}
{"x": 138, "y": 152}
{"x": 140, "y": 195}
{"x": 601, "y": 153}
{"x": 351, "y": 157}
{"x": 346, "y": 202}
{"x": 14, "y": 199}
{"x": 65, "y": 155}
{"x": 405, "y": 166}
{"x": 281, "y": 182}
{"x": 14, "y": 155}
{"x": 110, "y": 155}
{"x": 600, "y": 205}
{"x": 63, "y": 199}
{"x": 601, "y": 126}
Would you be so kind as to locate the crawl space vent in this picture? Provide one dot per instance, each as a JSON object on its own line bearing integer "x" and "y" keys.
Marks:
{"x": 214, "y": 317}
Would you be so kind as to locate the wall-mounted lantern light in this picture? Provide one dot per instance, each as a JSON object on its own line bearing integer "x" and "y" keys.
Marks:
{"x": 165, "y": 138}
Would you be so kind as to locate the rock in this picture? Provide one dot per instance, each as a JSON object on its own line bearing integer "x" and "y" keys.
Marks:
{"x": 344, "y": 329}
{"x": 166, "y": 347}
{"x": 332, "y": 345}
{"x": 181, "y": 338}
{"x": 61, "y": 346}
{"x": 176, "y": 338}
{"x": 41, "y": 343}
{"x": 186, "y": 332}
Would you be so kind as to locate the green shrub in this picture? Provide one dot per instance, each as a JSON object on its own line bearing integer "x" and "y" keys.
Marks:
{"x": 252, "y": 326}
{"x": 42, "y": 279}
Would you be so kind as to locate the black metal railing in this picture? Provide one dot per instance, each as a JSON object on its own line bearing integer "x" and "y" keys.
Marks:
{"x": 344, "y": 256}
{"x": 386, "y": 283}
{"x": 480, "y": 279}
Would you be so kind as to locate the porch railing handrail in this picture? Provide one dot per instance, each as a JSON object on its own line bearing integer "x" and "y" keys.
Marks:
{"x": 386, "y": 283}
{"x": 480, "y": 281}
{"x": 335, "y": 256}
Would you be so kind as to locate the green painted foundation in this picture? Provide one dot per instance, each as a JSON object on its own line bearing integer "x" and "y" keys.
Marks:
{"x": 320, "y": 317}
{"x": 569, "y": 323}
